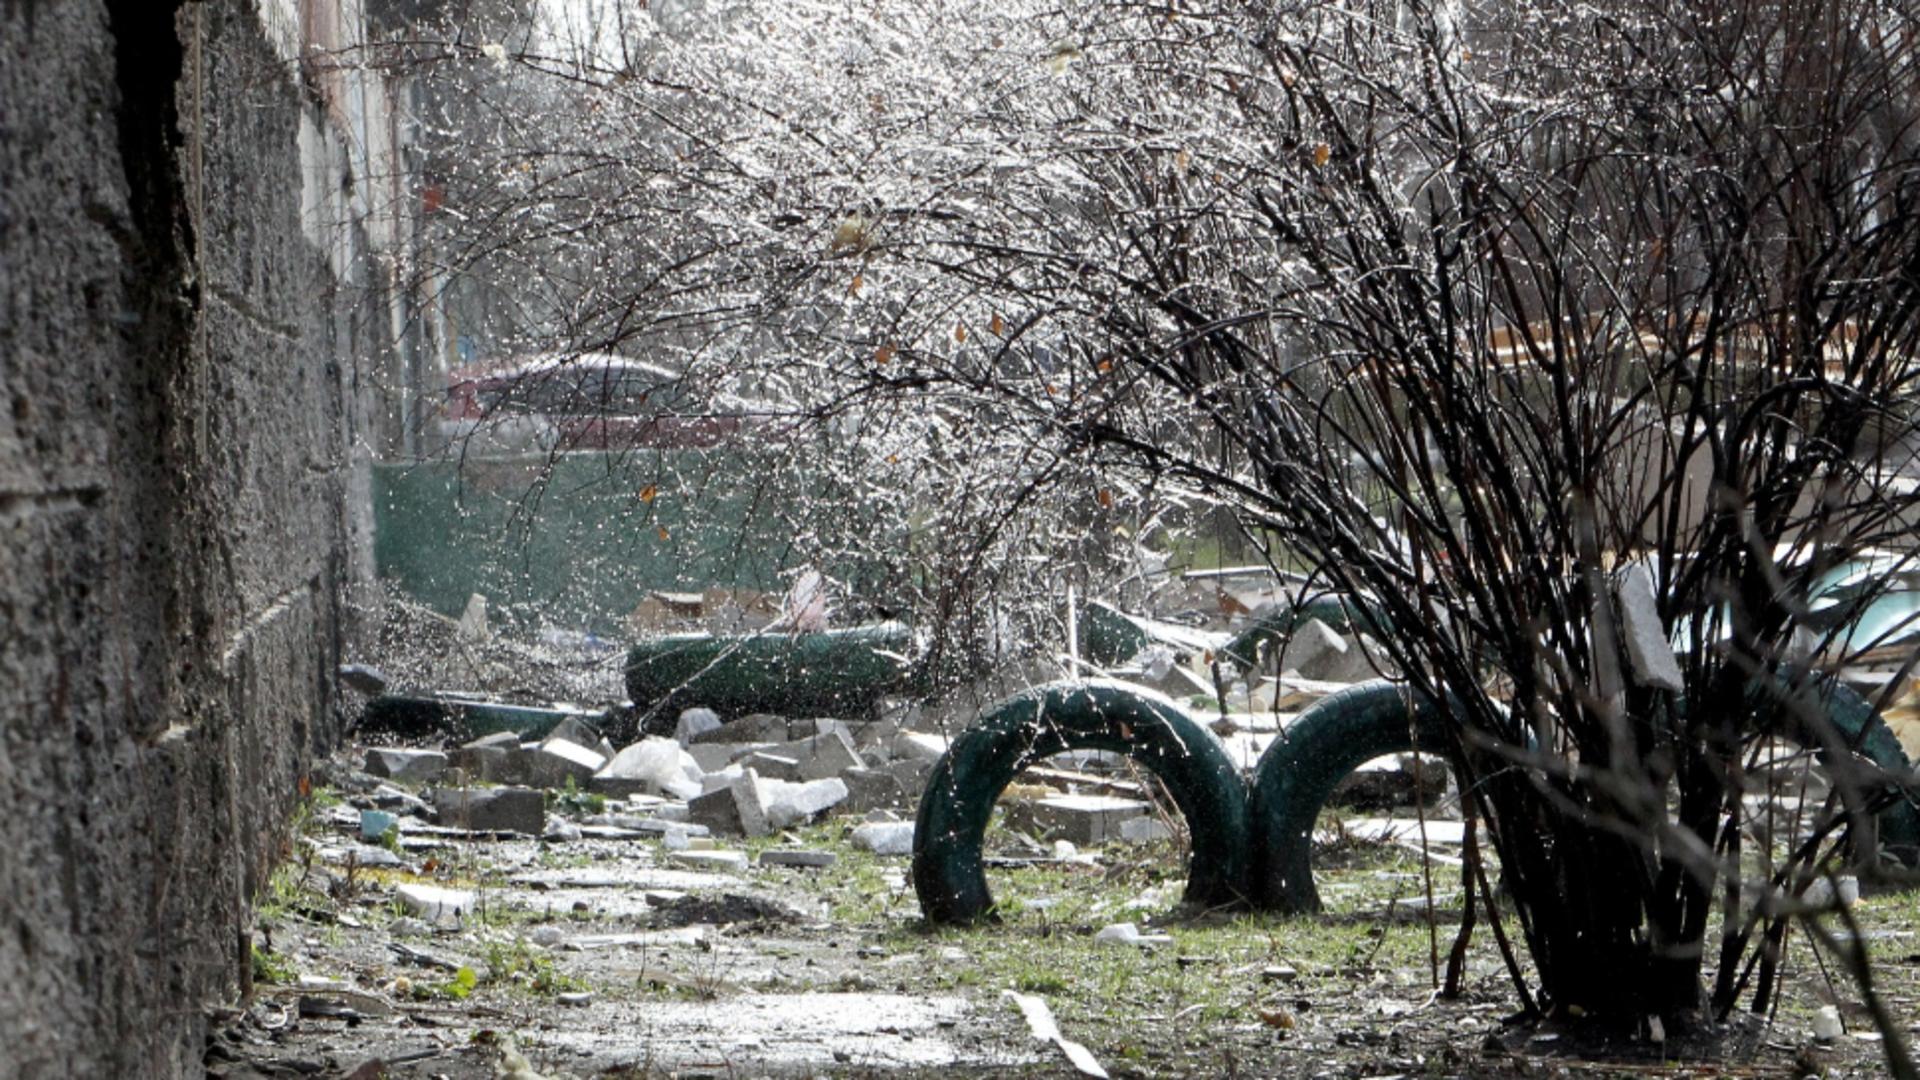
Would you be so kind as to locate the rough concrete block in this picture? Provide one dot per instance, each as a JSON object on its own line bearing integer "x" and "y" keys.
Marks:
{"x": 885, "y": 837}
{"x": 694, "y": 723}
{"x": 1086, "y": 819}
{"x": 828, "y": 754}
{"x": 754, "y": 728}
{"x": 1313, "y": 645}
{"x": 810, "y": 860}
{"x": 712, "y": 757}
{"x": 872, "y": 789}
{"x": 736, "y": 808}
{"x": 558, "y": 760}
{"x": 790, "y": 804}
{"x": 1144, "y": 829}
{"x": 1649, "y": 651}
{"x": 734, "y": 861}
{"x": 414, "y": 766}
{"x": 918, "y": 745}
{"x": 774, "y": 764}
{"x": 576, "y": 731}
{"x": 502, "y": 809}
{"x": 494, "y": 764}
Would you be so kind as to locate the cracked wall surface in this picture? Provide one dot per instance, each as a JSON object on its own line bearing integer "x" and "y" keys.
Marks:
{"x": 182, "y": 389}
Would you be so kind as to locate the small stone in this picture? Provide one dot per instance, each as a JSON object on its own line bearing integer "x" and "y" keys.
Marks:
{"x": 575, "y": 998}
{"x": 408, "y": 765}
{"x": 546, "y": 936}
{"x": 885, "y": 837}
{"x": 812, "y": 860}
{"x": 1280, "y": 973}
{"x": 561, "y": 831}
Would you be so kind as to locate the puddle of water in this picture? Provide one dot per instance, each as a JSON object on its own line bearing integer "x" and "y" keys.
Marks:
{"x": 781, "y": 1032}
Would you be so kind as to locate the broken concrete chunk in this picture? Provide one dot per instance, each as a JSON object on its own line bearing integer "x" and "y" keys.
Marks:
{"x": 1146, "y": 829}
{"x": 752, "y": 728}
{"x": 774, "y": 765}
{"x": 918, "y": 746}
{"x": 499, "y": 740}
{"x": 735, "y": 861}
{"x": 811, "y": 860}
{"x": 1649, "y": 651}
{"x": 576, "y": 731}
{"x": 873, "y": 789}
{"x": 502, "y": 809}
{"x": 1085, "y": 819}
{"x": 494, "y": 764}
{"x": 736, "y": 808}
{"x": 434, "y": 904}
{"x": 558, "y": 760}
{"x": 790, "y": 804}
{"x": 1311, "y": 647}
{"x": 712, "y": 757}
{"x": 829, "y": 753}
{"x": 885, "y": 837}
{"x": 408, "y": 765}
{"x": 694, "y": 723}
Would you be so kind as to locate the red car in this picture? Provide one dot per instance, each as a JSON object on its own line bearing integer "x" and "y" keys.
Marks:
{"x": 589, "y": 401}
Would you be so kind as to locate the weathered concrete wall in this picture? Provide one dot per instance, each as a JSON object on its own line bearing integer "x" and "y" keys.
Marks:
{"x": 180, "y": 396}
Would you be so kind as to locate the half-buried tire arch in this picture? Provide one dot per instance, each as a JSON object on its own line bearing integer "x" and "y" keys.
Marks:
{"x": 1341, "y": 732}
{"x": 1036, "y": 724}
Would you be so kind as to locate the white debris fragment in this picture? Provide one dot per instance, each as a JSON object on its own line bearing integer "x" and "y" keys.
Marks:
{"x": 1041, "y": 1023}
{"x": 790, "y": 804}
{"x": 661, "y": 764}
{"x": 472, "y": 625}
{"x": 433, "y": 903}
{"x": 1649, "y": 651}
{"x": 1127, "y": 933}
{"x": 885, "y": 837}
{"x": 1826, "y": 1024}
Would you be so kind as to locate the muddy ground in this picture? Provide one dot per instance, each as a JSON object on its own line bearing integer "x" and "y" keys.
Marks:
{"x": 597, "y": 957}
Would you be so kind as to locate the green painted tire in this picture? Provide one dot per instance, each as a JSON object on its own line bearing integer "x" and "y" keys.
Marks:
{"x": 1851, "y": 715}
{"x": 1047, "y": 720}
{"x": 1327, "y": 741}
{"x": 1339, "y": 733}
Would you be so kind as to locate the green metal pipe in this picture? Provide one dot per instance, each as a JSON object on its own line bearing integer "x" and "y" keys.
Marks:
{"x": 1047, "y": 720}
